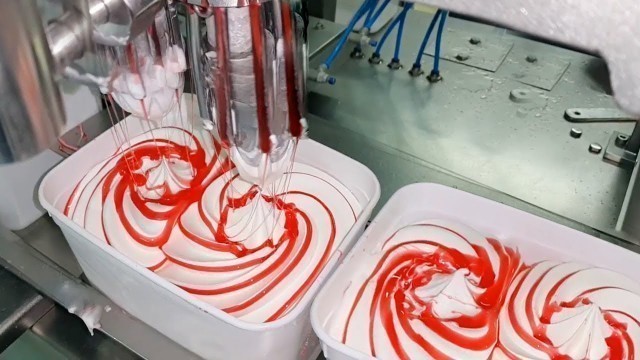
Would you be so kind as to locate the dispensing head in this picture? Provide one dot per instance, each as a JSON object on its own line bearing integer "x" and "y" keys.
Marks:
{"x": 254, "y": 75}
{"x": 147, "y": 74}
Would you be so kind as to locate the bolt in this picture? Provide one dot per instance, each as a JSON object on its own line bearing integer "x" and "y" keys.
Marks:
{"x": 318, "y": 26}
{"x": 462, "y": 57}
{"x": 395, "y": 64}
{"x": 475, "y": 41}
{"x": 375, "y": 59}
{"x": 434, "y": 77}
{"x": 531, "y": 59}
{"x": 621, "y": 140}
{"x": 575, "y": 133}
{"x": 416, "y": 70}
{"x": 357, "y": 53}
{"x": 595, "y": 148}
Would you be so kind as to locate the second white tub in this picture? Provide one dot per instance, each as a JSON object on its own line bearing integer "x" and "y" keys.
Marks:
{"x": 537, "y": 239}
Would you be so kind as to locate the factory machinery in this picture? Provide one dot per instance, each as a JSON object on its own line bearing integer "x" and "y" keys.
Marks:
{"x": 255, "y": 67}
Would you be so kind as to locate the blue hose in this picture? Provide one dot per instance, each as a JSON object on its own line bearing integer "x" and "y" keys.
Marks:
{"x": 370, "y": 12}
{"x": 436, "y": 58}
{"x": 345, "y": 36}
{"x": 368, "y": 24}
{"x": 405, "y": 9}
{"x": 396, "y": 53}
{"x": 425, "y": 41}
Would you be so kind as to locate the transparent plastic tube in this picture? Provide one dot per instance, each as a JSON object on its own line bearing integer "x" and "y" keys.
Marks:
{"x": 254, "y": 70}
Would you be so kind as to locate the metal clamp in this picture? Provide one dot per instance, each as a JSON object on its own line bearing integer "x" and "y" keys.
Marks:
{"x": 596, "y": 115}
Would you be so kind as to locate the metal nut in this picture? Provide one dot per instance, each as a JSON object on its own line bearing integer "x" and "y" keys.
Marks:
{"x": 462, "y": 57}
{"x": 621, "y": 140}
{"x": 595, "y": 148}
{"x": 575, "y": 133}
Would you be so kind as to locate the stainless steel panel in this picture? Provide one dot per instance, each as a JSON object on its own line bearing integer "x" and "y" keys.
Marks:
{"x": 31, "y": 112}
{"x": 71, "y": 293}
{"x": 321, "y": 33}
{"x": 469, "y": 124}
{"x": 611, "y": 31}
{"x": 20, "y": 307}
{"x": 580, "y": 115}
{"x": 488, "y": 54}
{"x": 68, "y": 334}
{"x": 542, "y": 71}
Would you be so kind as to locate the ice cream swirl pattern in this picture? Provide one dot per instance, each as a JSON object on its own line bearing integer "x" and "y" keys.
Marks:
{"x": 569, "y": 311}
{"x": 173, "y": 203}
{"x": 433, "y": 290}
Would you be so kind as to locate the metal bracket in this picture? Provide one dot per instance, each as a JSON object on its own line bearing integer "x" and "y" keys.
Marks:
{"x": 622, "y": 149}
{"x": 596, "y": 115}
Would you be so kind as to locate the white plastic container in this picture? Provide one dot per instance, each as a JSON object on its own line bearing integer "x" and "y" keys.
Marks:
{"x": 192, "y": 323}
{"x": 536, "y": 238}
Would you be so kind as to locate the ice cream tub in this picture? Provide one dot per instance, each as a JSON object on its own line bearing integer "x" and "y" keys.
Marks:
{"x": 600, "y": 278}
{"x": 190, "y": 321}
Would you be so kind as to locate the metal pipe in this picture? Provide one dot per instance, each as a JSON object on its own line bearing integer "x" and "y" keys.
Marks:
{"x": 67, "y": 39}
{"x": 31, "y": 111}
{"x": 195, "y": 48}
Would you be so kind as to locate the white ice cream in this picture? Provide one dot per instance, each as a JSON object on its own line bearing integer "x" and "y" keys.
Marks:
{"x": 167, "y": 215}
{"x": 418, "y": 284}
{"x": 153, "y": 91}
{"x": 586, "y": 307}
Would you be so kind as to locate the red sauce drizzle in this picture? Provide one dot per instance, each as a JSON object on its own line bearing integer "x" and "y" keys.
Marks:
{"x": 222, "y": 88}
{"x": 290, "y": 70}
{"x": 620, "y": 344}
{"x": 402, "y": 269}
{"x": 257, "y": 41}
{"x": 125, "y": 177}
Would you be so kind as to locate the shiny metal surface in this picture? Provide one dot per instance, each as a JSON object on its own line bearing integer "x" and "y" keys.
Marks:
{"x": 629, "y": 220}
{"x": 321, "y": 34}
{"x": 195, "y": 54}
{"x": 70, "y": 292}
{"x": 32, "y": 346}
{"x": 67, "y": 38}
{"x": 31, "y": 112}
{"x": 611, "y": 31}
{"x": 582, "y": 115}
{"x": 71, "y": 338}
{"x": 469, "y": 125}
{"x": 622, "y": 149}
{"x": 20, "y": 307}
{"x": 395, "y": 169}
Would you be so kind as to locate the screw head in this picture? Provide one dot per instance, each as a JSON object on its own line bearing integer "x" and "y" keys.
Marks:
{"x": 575, "y": 133}
{"x": 356, "y": 53}
{"x": 475, "y": 41}
{"x": 462, "y": 57}
{"x": 595, "y": 148}
{"x": 532, "y": 59}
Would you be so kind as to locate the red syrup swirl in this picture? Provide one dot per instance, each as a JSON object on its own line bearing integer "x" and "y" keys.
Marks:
{"x": 411, "y": 264}
{"x": 549, "y": 289}
{"x": 124, "y": 175}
